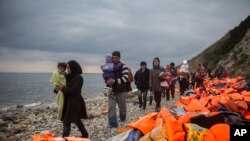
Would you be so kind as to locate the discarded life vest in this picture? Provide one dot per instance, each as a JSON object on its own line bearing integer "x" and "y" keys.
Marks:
{"x": 49, "y": 137}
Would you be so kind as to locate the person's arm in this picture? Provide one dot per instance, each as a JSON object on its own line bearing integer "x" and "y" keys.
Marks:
{"x": 55, "y": 91}
{"x": 150, "y": 80}
{"x": 75, "y": 88}
{"x": 124, "y": 78}
{"x": 136, "y": 77}
{"x": 174, "y": 72}
{"x": 148, "y": 75}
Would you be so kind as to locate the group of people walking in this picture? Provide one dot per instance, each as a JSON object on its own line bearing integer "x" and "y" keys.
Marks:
{"x": 159, "y": 81}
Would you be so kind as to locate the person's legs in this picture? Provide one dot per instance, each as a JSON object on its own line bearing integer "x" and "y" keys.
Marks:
{"x": 202, "y": 84}
{"x": 163, "y": 94}
{"x": 140, "y": 99}
{"x": 112, "y": 119}
{"x": 198, "y": 83}
{"x": 181, "y": 82}
{"x": 157, "y": 100}
{"x": 82, "y": 129}
{"x": 144, "y": 103}
{"x": 151, "y": 98}
{"x": 192, "y": 84}
{"x": 66, "y": 129}
{"x": 186, "y": 85}
{"x": 121, "y": 100}
{"x": 167, "y": 94}
{"x": 172, "y": 89}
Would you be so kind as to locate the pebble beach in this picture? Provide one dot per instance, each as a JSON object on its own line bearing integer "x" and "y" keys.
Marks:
{"x": 22, "y": 123}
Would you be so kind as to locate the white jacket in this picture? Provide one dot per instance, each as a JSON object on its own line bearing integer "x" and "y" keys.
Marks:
{"x": 184, "y": 68}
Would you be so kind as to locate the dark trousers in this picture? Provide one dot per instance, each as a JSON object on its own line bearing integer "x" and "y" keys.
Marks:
{"x": 79, "y": 124}
{"x": 143, "y": 98}
{"x": 157, "y": 97}
{"x": 169, "y": 90}
{"x": 184, "y": 84}
{"x": 200, "y": 84}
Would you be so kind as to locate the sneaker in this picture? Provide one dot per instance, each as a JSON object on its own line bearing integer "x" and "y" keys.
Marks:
{"x": 157, "y": 109}
{"x": 122, "y": 123}
{"x": 110, "y": 126}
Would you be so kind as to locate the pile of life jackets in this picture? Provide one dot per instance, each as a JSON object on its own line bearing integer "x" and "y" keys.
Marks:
{"x": 205, "y": 115}
{"x": 49, "y": 137}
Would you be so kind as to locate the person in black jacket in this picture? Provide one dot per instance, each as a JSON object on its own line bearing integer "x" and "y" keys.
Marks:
{"x": 74, "y": 108}
{"x": 142, "y": 83}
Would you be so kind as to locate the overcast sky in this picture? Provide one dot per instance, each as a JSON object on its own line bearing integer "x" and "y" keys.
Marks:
{"x": 36, "y": 34}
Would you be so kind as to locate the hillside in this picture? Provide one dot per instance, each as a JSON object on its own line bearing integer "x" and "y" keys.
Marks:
{"x": 232, "y": 51}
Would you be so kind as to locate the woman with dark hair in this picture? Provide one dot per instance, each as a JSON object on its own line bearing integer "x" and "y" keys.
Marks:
{"x": 74, "y": 106}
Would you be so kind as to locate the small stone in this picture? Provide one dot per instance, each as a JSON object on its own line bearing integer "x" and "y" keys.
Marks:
{"x": 13, "y": 138}
{"x": 19, "y": 106}
{"x": 9, "y": 118}
{"x": 3, "y": 124}
{"x": 27, "y": 122}
{"x": 3, "y": 137}
{"x": 4, "y": 129}
{"x": 17, "y": 131}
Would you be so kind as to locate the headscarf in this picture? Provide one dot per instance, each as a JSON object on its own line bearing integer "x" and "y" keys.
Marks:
{"x": 156, "y": 67}
{"x": 75, "y": 69}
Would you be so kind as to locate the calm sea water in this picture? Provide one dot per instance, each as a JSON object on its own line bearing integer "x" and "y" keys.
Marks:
{"x": 34, "y": 88}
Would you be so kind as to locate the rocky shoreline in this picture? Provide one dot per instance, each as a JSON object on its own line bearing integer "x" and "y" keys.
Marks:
{"x": 22, "y": 123}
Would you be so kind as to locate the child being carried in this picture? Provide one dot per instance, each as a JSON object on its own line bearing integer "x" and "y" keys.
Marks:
{"x": 58, "y": 77}
{"x": 109, "y": 69}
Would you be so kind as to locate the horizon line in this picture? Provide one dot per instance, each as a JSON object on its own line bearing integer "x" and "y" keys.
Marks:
{"x": 51, "y": 72}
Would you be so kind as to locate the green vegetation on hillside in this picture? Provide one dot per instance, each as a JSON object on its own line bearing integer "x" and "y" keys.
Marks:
{"x": 213, "y": 56}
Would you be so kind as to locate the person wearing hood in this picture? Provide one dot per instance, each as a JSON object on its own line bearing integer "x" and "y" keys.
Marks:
{"x": 155, "y": 82}
{"x": 74, "y": 108}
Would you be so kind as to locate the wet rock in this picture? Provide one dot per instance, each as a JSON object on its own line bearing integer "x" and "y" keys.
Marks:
{"x": 9, "y": 118}
{"x": 27, "y": 122}
{"x": 4, "y": 129}
{"x": 19, "y": 106}
{"x": 36, "y": 113}
{"x": 13, "y": 138}
{"x": 16, "y": 122}
{"x": 2, "y": 137}
{"x": 17, "y": 131}
{"x": 3, "y": 124}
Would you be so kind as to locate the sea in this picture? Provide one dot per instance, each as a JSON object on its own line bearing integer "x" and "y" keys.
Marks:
{"x": 31, "y": 89}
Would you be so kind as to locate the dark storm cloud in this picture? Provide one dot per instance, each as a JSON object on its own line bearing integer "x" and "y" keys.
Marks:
{"x": 173, "y": 30}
